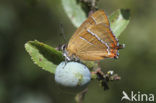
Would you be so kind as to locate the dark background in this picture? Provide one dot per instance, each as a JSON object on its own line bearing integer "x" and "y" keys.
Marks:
{"x": 23, "y": 82}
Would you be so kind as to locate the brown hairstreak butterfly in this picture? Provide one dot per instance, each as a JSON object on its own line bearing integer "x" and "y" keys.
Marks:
{"x": 93, "y": 40}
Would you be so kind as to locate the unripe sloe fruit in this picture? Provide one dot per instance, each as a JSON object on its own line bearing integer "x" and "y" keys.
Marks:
{"x": 72, "y": 74}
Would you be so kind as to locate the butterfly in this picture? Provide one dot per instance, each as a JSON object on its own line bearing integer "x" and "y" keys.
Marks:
{"x": 93, "y": 40}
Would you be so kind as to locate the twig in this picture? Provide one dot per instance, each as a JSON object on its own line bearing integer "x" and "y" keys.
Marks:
{"x": 80, "y": 96}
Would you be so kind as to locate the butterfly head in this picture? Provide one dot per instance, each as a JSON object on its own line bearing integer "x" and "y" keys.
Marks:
{"x": 68, "y": 56}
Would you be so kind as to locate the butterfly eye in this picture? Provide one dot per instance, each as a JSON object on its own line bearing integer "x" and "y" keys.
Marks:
{"x": 63, "y": 47}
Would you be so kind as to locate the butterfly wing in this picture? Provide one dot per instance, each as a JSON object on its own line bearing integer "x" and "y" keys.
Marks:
{"x": 96, "y": 18}
{"x": 93, "y": 40}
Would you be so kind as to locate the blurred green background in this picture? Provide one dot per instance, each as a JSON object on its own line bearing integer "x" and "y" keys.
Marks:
{"x": 23, "y": 82}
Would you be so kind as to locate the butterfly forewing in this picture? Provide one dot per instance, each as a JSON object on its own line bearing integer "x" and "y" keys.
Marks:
{"x": 93, "y": 40}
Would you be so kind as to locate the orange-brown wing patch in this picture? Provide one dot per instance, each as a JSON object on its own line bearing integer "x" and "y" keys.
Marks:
{"x": 100, "y": 17}
{"x": 93, "y": 56}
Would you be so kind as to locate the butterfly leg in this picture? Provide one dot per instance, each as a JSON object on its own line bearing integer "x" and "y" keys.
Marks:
{"x": 74, "y": 58}
{"x": 66, "y": 61}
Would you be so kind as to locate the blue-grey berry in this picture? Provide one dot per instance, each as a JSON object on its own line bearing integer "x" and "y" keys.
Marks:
{"x": 72, "y": 74}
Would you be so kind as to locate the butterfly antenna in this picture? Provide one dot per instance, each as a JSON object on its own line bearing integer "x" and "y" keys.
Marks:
{"x": 62, "y": 33}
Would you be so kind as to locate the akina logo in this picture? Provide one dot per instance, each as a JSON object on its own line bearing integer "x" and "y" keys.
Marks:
{"x": 138, "y": 96}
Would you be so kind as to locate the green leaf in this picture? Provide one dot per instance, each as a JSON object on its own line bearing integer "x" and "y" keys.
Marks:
{"x": 74, "y": 11}
{"x": 119, "y": 21}
{"x": 43, "y": 55}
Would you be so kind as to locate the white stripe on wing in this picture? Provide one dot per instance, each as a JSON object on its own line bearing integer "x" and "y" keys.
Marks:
{"x": 108, "y": 49}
